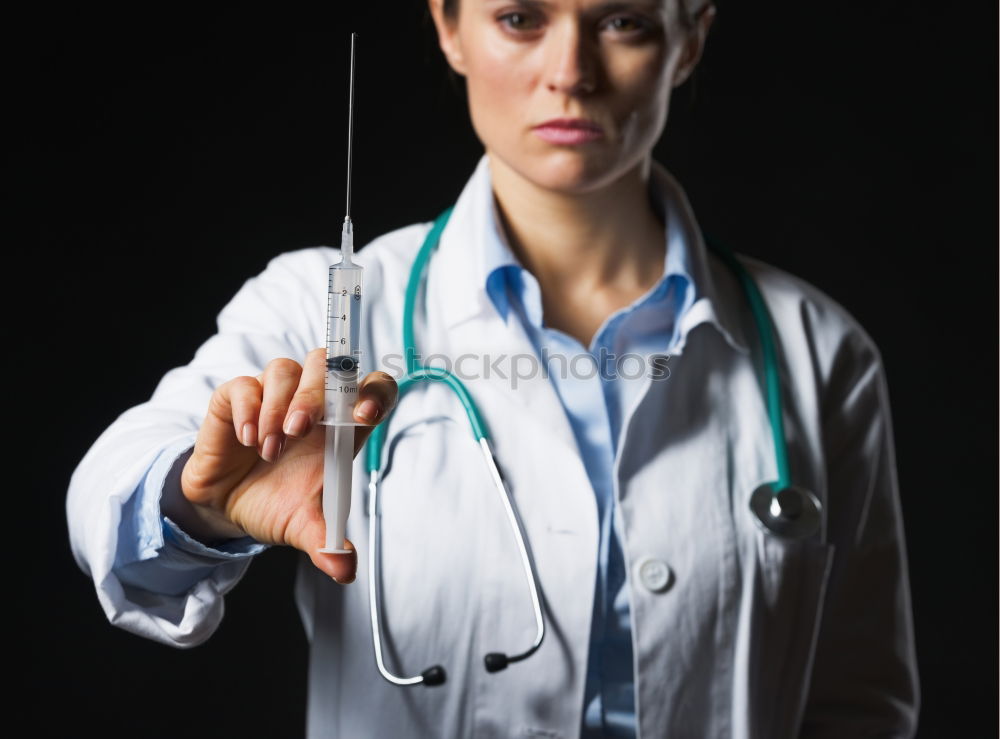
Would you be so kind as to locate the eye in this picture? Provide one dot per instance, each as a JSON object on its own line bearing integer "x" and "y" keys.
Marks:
{"x": 519, "y": 21}
{"x": 627, "y": 24}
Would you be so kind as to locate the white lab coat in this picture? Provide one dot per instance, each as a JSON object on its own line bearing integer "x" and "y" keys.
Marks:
{"x": 755, "y": 637}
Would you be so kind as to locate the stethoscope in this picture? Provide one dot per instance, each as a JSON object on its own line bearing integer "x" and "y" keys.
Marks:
{"x": 779, "y": 508}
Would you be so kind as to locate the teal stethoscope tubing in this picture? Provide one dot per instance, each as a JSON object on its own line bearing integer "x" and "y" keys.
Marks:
{"x": 778, "y": 507}
{"x": 415, "y": 374}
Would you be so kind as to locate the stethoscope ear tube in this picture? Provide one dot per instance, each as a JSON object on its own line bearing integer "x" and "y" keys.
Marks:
{"x": 413, "y": 287}
{"x": 779, "y": 508}
{"x": 771, "y": 380}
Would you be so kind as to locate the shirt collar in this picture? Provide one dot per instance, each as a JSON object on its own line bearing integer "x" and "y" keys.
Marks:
{"x": 485, "y": 254}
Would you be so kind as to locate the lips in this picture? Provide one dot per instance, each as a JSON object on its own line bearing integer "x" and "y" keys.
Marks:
{"x": 569, "y": 131}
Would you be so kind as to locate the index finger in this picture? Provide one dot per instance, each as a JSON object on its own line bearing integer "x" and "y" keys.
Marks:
{"x": 306, "y": 406}
{"x": 377, "y": 394}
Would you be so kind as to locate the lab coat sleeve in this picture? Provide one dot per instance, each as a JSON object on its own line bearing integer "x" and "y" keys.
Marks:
{"x": 269, "y": 317}
{"x": 865, "y": 680}
{"x": 153, "y": 552}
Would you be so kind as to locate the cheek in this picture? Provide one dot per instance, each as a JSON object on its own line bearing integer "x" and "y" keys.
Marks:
{"x": 643, "y": 86}
{"x": 498, "y": 83}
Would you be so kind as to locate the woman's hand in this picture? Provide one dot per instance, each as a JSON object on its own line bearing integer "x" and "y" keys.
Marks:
{"x": 257, "y": 464}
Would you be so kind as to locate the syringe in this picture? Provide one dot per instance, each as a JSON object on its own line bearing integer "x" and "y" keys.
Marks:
{"x": 343, "y": 329}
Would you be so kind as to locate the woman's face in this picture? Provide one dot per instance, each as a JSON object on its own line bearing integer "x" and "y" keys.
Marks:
{"x": 527, "y": 62}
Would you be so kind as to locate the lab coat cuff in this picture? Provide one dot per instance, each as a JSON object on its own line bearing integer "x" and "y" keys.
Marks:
{"x": 190, "y": 549}
{"x": 153, "y": 553}
{"x": 147, "y": 534}
{"x": 241, "y": 548}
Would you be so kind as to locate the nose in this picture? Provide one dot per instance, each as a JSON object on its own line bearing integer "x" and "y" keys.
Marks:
{"x": 572, "y": 62}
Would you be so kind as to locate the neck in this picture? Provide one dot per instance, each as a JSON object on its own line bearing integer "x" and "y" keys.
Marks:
{"x": 607, "y": 241}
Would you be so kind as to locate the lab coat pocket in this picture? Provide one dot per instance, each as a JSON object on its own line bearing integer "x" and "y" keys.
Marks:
{"x": 789, "y": 585}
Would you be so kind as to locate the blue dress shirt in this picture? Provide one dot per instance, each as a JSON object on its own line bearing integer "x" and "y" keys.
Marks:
{"x": 597, "y": 401}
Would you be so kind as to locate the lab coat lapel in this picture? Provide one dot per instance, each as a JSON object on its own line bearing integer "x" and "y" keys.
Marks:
{"x": 469, "y": 325}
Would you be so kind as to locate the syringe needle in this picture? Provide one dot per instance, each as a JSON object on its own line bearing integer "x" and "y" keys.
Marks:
{"x": 347, "y": 236}
{"x": 350, "y": 129}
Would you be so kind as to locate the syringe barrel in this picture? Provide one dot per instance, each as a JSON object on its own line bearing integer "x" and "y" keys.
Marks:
{"x": 343, "y": 334}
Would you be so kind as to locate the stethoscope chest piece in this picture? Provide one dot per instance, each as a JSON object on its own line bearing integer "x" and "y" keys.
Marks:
{"x": 792, "y": 512}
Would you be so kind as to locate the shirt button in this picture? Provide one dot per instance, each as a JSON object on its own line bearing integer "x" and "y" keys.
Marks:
{"x": 654, "y": 574}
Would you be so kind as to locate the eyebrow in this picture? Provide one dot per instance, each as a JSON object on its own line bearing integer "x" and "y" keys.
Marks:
{"x": 610, "y": 5}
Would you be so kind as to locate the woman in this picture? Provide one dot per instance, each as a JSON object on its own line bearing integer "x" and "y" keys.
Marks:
{"x": 669, "y": 611}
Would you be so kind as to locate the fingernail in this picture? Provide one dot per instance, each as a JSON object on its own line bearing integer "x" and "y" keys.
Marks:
{"x": 272, "y": 448}
{"x": 344, "y": 582}
{"x": 296, "y": 423}
{"x": 249, "y": 434}
{"x": 368, "y": 410}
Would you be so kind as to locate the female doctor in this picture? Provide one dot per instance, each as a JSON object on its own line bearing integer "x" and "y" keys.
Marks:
{"x": 669, "y": 610}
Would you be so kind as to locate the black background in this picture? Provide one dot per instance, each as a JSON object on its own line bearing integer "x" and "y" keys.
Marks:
{"x": 170, "y": 155}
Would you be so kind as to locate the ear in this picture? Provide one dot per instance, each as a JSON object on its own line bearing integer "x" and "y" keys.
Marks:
{"x": 447, "y": 31}
{"x": 695, "y": 44}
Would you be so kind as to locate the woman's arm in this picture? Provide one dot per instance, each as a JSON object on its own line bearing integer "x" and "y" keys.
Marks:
{"x": 272, "y": 315}
{"x": 865, "y": 680}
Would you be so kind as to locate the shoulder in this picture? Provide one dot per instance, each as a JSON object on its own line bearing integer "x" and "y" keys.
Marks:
{"x": 392, "y": 254}
{"x": 814, "y": 329}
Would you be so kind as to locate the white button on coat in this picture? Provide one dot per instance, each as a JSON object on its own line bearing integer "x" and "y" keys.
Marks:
{"x": 655, "y": 574}
{"x": 759, "y": 638}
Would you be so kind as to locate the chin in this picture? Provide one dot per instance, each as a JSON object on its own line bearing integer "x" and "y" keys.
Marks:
{"x": 565, "y": 169}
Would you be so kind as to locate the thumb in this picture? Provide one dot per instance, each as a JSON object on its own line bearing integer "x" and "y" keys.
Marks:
{"x": 342, "y": 568}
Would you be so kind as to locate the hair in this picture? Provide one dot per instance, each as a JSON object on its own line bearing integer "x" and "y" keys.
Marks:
{"x": 688, "y": 10}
